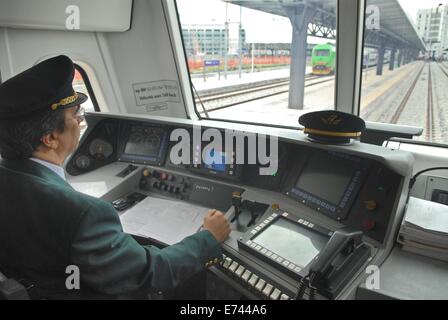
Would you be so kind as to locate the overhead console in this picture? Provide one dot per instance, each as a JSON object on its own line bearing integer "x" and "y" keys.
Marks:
{"x": 326, "y": 209}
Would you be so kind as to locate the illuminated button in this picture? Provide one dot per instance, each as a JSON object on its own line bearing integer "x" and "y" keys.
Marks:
{"x": 311, "y": 225}
{"x": 262, "y": 224}
{"x": 253, "y": 244}
{"x": 226, "y": 263}
{"x": 286, "y": 263}
{"x": 371, "y": 205}
{"x": 275, "y": 295}
{"x": 297, "y": 269}
{"x": 266, "y": 221}
{"x": 253, "y": 231}
{"x": 291, "y": 266}
{"x": 249, "y": 242}
{"x": 239, "y": 271}
{"x": 274, "y": 256}
{"x": 301, "y": 221}
{"x": 146, "y": 173}
{"x": 253, "y": 280}
{"x": 267, "y": 289}
{"x": 275, "y": 206}
{"x": 260, "y": 284}
{"x": 246, "y": 275}
{"x": 258, "y": 228}
{"x": 368, "y": 224}
{"x": 233, "y": 266}
{"x": 258, "y": 248}
{"x": 305, "y": 223}
{"x": 269, "y": 253}
{"x": 274, "y": 215}
{"x": 279, "y": 259}
{"x": 263, "y": 251}
{"x": 284, "y": 297}
{"x": 163, "y": 176}
{"x": 270, "y": 218}
{"x": 285, "y": 214}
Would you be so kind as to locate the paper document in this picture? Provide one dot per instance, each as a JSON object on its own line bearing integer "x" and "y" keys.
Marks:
{"x": 427, "y": 215}
{"x": 425, "y": 229}
{"x": 167, "y": 221}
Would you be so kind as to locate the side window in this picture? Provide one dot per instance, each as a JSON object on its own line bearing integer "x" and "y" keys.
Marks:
{"x": 405, "y": 72}
{"x": 81, "y": 83}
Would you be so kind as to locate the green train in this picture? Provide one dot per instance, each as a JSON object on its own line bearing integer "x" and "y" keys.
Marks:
{"x": 323, "y": 59}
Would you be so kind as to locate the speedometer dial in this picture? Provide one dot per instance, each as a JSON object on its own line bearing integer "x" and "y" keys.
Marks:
{"x": 100, "y": 149}
{"x": 82, "y": 162}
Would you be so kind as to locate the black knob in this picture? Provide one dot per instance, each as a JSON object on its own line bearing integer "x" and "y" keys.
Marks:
{"x": 155, "y": 184}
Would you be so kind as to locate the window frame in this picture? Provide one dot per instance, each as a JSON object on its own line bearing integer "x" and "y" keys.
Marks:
{"x": 88, "y": 85}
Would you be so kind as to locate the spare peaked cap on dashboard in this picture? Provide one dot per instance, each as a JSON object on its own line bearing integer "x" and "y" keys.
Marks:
{"x": 332, "y": 126}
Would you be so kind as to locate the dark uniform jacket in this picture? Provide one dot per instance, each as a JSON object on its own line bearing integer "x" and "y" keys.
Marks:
{"x": 47, "y": 226}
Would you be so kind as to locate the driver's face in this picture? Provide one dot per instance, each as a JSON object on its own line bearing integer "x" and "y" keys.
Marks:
{"x": 69, "y": 139}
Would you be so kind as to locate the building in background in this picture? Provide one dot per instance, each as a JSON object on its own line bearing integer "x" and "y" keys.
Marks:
{"x": 432, "y": 26}
{"x": 211, "y": 40}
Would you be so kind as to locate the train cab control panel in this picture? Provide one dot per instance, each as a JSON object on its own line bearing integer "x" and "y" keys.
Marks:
{"x": 282, "y": 222}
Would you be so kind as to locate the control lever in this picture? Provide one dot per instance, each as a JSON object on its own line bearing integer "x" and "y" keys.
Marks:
{"x": 237, "y": 202}
{"x": 253, "y": 215}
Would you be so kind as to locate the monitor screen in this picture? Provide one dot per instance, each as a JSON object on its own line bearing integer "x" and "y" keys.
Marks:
{"x": 326, "y": 177}
{"x": 291, "y": 241}
{"x": 145, "y": 141}
{"x": 209, "y": 164}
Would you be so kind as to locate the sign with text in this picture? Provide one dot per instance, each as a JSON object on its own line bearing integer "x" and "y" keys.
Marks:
{"x": 211, "y": 63}
{"x": 156, "y": 92}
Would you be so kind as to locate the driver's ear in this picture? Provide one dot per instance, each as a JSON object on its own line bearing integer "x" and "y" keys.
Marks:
{"x": 50, "y": 140}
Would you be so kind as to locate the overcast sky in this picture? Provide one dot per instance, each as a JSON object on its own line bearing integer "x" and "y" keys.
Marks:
{"x": 259, "y": 26}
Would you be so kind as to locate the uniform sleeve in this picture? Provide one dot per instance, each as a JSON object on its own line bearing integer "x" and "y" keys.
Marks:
{"x": 112, "y": 262}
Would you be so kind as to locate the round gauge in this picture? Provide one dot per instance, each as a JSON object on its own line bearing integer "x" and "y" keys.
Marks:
{"x": 82, "y": 162}
{"x": 100, "y": 149}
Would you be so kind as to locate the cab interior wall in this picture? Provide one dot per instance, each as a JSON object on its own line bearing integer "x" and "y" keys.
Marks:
{"x": 111, "y": 56}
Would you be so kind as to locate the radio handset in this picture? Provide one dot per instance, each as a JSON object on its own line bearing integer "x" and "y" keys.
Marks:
{"x": 342, "y": 243}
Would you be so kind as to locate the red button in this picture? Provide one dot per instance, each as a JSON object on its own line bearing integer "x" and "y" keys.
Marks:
{"x": 368, "y": 224}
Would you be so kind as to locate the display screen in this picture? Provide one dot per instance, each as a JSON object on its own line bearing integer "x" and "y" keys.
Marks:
{"x": 145, "y": 142}
{"x": 291, "y": 241}
{"x": 209, "y": 164}
{"x": 326, "y": 177}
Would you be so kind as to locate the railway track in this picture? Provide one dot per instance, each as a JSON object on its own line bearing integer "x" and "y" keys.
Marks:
{"x": 430, "y": 119}
{"x": 443, "y": 67}
{"x": 254, "y": 90}
{"x": 430, "y": 109}
{"x": 396, "y": 116}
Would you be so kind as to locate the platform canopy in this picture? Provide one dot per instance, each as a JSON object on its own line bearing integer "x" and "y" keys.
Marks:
{"x": 396, "y": 28}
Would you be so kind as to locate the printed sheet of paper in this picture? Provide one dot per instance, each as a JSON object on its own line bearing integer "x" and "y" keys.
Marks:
{"x": 167, "y": 221}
